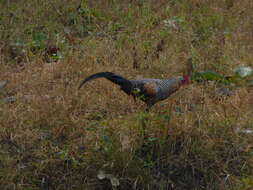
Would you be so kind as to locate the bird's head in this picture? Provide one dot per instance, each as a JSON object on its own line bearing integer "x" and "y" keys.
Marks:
{"x": 185, "y": 80}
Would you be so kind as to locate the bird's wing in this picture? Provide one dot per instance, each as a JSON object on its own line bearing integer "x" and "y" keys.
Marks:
{"x": 147, "y": 87}
{"x": 150, "y": 89}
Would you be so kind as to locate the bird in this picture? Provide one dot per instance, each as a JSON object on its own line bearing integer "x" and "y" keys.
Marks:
{"x": 148, "y": 90}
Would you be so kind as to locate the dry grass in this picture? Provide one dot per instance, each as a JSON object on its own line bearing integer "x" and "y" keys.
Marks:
{"x": 55, "y": 137}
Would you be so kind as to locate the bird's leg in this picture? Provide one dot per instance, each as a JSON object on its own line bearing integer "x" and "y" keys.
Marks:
{"x": 149, "y": 103}
{"x": 147, "y": 109}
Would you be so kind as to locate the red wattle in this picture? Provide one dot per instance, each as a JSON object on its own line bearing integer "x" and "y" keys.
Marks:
{"x": 186, "y": 80}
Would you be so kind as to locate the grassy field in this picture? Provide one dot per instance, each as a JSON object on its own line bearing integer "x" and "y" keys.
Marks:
{"x": 53, "y": 136}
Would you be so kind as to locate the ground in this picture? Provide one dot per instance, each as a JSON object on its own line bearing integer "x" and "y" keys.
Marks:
{"x": 54, "y": 136}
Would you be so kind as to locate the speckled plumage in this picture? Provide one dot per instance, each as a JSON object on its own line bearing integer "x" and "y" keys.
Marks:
{"x": 150, "y": 91}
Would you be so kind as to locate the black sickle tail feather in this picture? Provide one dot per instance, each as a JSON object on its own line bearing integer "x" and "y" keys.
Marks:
{"x": 124, "y": 83}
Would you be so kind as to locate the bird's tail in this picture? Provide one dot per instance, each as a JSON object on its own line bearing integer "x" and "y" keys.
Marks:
{"x": 109, "y": 76}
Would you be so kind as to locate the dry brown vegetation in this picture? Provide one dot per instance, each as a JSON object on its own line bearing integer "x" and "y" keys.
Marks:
{"x": 56, "y": 137}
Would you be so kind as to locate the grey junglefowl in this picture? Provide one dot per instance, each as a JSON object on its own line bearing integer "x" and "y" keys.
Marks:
{"x": 149, "y": 91}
